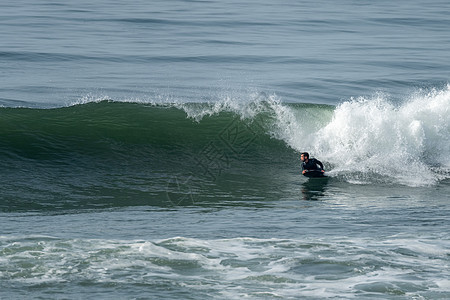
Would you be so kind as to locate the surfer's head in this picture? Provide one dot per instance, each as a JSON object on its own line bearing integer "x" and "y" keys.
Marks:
{"x": 304, "y": 156}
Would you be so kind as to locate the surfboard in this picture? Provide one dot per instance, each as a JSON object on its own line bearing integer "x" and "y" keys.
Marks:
{"x": 315, "y": 174}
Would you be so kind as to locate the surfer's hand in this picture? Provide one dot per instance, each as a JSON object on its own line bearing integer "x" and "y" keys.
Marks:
{"x": 304, "y": 171}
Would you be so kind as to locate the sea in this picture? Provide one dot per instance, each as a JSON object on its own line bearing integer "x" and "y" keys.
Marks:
{"x": 151, "y": 149}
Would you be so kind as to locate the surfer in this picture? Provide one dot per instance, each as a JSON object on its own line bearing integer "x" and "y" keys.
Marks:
{"x": 310, "y": 164}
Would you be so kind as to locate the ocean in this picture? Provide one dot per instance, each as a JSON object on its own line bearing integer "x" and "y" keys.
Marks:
{"x": 150, "y": 149}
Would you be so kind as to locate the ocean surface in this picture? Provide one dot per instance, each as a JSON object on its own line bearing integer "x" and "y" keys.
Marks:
{"x": 150, "y": 149}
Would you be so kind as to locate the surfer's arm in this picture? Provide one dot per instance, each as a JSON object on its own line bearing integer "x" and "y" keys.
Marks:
{"x": 320, "y": 164}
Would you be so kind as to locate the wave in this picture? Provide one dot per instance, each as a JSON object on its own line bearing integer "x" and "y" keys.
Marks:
{"x": 407, "y": 142}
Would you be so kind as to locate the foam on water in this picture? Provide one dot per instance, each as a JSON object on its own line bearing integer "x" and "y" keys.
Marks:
{"x": 233, "y": 268}
{"x": 408, "y": 143}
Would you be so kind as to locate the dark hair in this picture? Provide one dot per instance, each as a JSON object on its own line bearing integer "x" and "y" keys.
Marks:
{"x": 306, "y": 154}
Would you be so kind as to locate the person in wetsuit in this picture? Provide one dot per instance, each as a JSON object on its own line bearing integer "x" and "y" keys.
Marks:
{"x": 310, "y": 164}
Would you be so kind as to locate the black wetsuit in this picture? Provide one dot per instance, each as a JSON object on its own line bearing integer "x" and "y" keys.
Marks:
{"x": 311, "y": 165}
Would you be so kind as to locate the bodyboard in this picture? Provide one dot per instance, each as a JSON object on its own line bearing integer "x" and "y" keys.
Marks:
{"x": 315, "y": 174}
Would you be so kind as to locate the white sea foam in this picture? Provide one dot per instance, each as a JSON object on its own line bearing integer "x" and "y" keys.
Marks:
{"x": 406, "y": 142}
{"x": 236, "y": 267}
